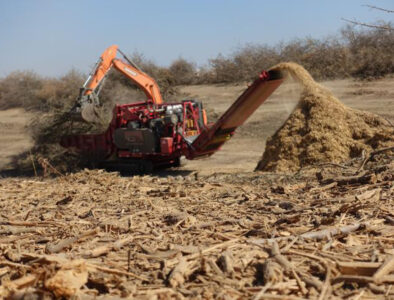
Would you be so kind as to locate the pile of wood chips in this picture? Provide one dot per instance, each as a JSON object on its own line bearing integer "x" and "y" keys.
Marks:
{"x": 325, "y": 232}
{"x": 321, "y": 129}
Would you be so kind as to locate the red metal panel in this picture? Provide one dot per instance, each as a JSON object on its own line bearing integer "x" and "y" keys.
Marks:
{"x": 166, "y": 144}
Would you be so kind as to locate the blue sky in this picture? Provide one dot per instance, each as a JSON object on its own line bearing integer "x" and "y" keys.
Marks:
{"x": 53, "y": 36}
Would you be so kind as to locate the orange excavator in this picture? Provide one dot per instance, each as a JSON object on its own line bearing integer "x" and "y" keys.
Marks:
{"x": 153, "y": 133}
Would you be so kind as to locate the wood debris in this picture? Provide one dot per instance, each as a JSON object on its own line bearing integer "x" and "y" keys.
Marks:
{"x": 96, "y": 234}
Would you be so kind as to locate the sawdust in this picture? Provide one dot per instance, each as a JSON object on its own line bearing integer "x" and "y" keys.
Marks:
{"x": 321, "y": 129}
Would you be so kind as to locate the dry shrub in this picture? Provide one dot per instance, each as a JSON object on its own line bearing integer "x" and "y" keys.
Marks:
{"x": 119, "y": 90}
{"x": 46, "y": 130}
{"x": 371, "y": 51}
{"x": 32, "y": 92}
{"x": 325, "y": 59}
{"x": 365, "y": 53}
{"x": 252, "y": 59}
{"x": 205, "y": 75}
{"x": 224, "y": 70}
{"x": 19, "y": 89}
{"x": 53, "y": 99}
{"x": 322, "y": 129}
{"x": 162, "y": 76}
{"x": 183, "y": 71}
{"x": 59, "y": 93}
{"x": 243, "y": 64}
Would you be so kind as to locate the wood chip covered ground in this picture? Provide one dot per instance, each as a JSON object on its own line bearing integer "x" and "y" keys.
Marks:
{"x": 325, "y": 232}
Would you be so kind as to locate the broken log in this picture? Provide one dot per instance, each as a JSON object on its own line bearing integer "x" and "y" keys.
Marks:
{"x": 99, "y": 251}
{"x": 56, "y": 248}
{"x": 318, "y": 235}
{"x": 177, "y": 275}
{"x": 386, "y": 268}
{"x": 363, "y": 178}
{"x": 358, "y": 268}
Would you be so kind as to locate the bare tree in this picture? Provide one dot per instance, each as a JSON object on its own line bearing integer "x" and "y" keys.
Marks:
{"x": 385, "y": 27}
{"x": 379, "y": 8}
{"x": 355, "y": 22}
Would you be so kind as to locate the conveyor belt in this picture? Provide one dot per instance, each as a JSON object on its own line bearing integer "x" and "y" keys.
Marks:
{"x": 211, "y": 139}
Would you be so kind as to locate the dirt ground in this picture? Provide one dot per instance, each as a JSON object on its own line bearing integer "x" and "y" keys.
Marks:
{"x": 14, "y": 138}
{"x": 211, "y": 229}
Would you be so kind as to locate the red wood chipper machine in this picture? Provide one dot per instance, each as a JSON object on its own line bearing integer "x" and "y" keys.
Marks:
{"x": 147, "y": 134}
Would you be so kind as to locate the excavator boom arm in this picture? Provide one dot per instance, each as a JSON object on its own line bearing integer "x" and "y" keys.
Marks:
{"x": 107, "y": 61}
{"x": 100, "y": 70}
{"x": 146, "y": 83}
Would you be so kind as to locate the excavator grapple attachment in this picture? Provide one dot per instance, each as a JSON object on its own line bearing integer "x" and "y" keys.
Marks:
{"x": 87, "y": 106}
{"x": 90, "y": 113}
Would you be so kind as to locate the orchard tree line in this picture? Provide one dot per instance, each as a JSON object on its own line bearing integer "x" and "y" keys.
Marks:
{"x": 362, "y": 52}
